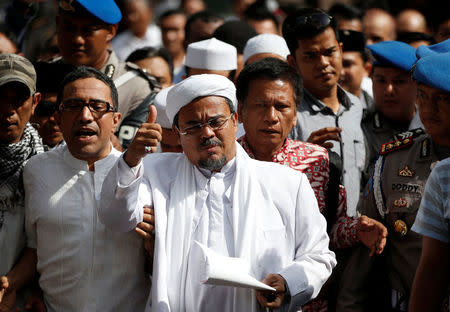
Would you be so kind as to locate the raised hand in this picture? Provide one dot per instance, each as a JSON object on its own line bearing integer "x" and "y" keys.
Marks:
{"x": 320, "y": 136}
{"x": 372, "y": 233}
{"x": 145, "y": 141}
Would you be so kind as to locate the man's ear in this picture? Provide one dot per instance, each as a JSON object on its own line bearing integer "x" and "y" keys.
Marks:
{"x": 112, "y": 30}
{"x": 36, "y": 99}
{"x": 368, "y": 67}
{"x": 292, "y": 62}
{"x": 239, "y": 111}
{"x": 116, "y": 120}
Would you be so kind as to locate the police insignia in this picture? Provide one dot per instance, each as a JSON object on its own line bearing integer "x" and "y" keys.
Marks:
{"x": 406, "y": 172}
{"x": 395, "y": 145}
{"x": 400, "y": 227}
{"x": 66, "y": 5}
{"x": 400, "y": 202}
{"x": 425, "y": 149}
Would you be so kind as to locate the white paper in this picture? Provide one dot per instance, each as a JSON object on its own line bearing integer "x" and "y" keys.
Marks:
{"x": 227, "y": 271}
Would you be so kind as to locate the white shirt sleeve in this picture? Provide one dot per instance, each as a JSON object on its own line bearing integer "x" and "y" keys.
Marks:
{"x": 121, "y": 200}
{"x": 313, "y": 261}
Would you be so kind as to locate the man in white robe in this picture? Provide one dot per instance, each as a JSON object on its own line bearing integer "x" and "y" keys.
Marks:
{"x": 216, "y": 195}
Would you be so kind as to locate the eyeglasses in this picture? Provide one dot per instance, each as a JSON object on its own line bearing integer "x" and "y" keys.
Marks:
{"x": 315, "y": 19}
{"x": 214, "y": 123}
{"x": 96, "y": 107}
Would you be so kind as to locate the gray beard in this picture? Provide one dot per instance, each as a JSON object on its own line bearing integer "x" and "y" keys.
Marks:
{"x": 212, "y": 164}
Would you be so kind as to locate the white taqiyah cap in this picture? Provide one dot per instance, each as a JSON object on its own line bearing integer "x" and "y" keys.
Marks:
{"x": 211, "y": 54}
{"x": 160, "y": 103}
{"x": 266, "y": 43}
{"x": 197, "y": 86}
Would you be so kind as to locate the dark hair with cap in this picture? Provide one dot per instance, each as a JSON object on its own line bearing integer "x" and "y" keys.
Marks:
{"x": 258, "y": 11}
{"x": 306, "y": 23}
{"x": 354, "y": 41}
{"x": 204, "y": 16}
{"x": 151, "y": 52}
{"x": 271, "y": 68}
{"x": 83, "y": 72}
{"x": 171, "y": 12}
{"x": 236, "y": 33}
{"x": 106, "y": 11}
{"x": 345, "y": 11}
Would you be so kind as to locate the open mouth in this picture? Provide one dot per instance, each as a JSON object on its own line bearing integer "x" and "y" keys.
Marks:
{"x": 85, "y": 133}
{"x": 270, "y": 131}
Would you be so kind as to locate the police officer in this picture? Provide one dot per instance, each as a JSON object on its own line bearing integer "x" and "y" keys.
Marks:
{"x": 394, "y": 94}
{"x": 395, "y": 189}
{"x": 85, "y": 30}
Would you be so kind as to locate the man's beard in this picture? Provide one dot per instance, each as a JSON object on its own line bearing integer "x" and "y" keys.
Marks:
{"x": 212, "y": 164}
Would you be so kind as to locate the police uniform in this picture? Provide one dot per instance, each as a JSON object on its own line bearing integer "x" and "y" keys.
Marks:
{"x": 136, "y": 89}
{"x": 377, "y": 130}
{"x": 392, "y": 196}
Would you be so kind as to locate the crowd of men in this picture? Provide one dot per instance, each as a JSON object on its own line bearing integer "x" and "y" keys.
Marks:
{"x": 307, "y": 149}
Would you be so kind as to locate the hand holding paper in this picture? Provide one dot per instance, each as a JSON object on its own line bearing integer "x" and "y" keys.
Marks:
{"x": 227, "y": 271}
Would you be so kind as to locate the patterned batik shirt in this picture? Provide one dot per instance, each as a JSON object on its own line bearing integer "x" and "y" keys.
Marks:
{"x": 313, "y": 161}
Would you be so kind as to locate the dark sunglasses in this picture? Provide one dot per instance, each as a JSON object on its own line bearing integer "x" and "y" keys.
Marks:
{"x": 315, "y": 19}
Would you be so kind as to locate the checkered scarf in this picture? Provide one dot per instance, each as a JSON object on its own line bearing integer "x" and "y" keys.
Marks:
{"x": 13, "y": 158}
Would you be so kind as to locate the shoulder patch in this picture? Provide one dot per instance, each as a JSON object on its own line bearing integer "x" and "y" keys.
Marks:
{"x": 154, "y": 84}
{"x": 425, "y": 148}
{"x": 395, "y": 145}
{"x": 409, "y": 134}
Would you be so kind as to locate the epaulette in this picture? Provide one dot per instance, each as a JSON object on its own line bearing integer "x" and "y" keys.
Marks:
{"x": 409, "y": 134}
{"x": 395, "y": 145}
{"x": 154, "y": 84}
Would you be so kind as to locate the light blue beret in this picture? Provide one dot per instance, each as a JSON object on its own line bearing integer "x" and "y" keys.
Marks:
{"x": 105, "y": 10}
{"x": 393, "y": 54}
{"x": 434, "y": 71}
{"x": 441, "y": 47}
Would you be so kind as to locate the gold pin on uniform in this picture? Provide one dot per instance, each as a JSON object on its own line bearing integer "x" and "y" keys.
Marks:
{"x": 400, "y": 227}
{"x": 400, "y": 202}
{"x": 406, "y": 172}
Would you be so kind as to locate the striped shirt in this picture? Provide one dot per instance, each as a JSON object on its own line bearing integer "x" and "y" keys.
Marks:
{"x": 433, "y": 218}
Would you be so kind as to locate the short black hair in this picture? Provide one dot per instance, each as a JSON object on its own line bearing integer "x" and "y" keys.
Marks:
{"x": 50, "y": 75}
{"x": 229, "y": 103}
{"x": 345, "y": 11}
{"x": 271, "y": 68}
{"x": 258, "y": 12}
{"x": 204, "y": 16}
{"x": 151, "y": 52}
{"x": 293, "y": 32}
{"x": 410, "y": 37}
{"x": 236, "y": 33}
{"x": 171, "y": 12}
{"x": 82, "y": 72}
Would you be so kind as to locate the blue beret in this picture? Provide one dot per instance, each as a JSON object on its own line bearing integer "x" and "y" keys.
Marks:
{"x": 393, "y": 54}
{"x": 441, "y": 47}
{"x": 434, "y": 71}
{"x": 105, "y": 10}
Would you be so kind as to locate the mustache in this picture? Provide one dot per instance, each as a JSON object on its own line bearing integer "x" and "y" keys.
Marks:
{"x": 209, "y": 142}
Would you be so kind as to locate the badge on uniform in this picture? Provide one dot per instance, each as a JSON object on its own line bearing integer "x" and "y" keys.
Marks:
{"x": 400, "y": 227}
{"x": 406, "y": 172}
{"x": 400, "y": 202}
{"x": 395, "y": 145}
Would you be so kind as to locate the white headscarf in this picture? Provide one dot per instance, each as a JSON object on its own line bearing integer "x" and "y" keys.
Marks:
{"x": 197, "y": 86}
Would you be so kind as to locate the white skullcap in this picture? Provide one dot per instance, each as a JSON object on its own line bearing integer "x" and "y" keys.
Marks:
{"x": 197, "y": 86}
{"x": 211, "y": 54}
{"x": 160, "y": 103}
{"x": 266, "y": 43}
